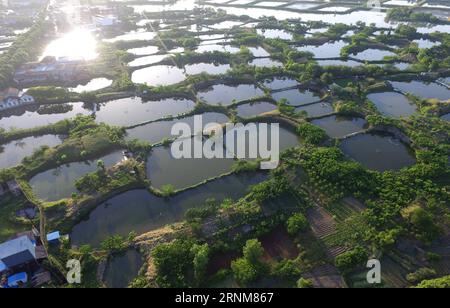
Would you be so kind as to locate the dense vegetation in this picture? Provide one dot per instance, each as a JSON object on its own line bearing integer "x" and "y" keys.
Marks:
{"x": 393, "y": 207}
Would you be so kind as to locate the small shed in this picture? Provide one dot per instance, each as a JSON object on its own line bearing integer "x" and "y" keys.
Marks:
{"x": 18, "y": 251}
{"x": 17, "y": 280}
{"x": 14, "y": 187}
{"x": 53, "y": 238}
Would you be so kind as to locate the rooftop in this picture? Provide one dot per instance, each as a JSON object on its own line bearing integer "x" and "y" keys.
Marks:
{"x": 17, "y": 251}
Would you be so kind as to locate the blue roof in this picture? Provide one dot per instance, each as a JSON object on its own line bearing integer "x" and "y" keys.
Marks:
{"x": 53, "y": 236}
{"x": 3, "y": 267}
{"x": 15, "y": 247}
{"x": 14, "y": 279}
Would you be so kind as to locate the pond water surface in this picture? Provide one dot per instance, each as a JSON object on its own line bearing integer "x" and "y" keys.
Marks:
{"x": 251, "y": 110}
{"x": 59, "y": 183}
{"x": 132, "y": 111}
{"x": 372, "y": 55}
{"x": 258, "y": 51}
{"x": 275, "y": 34}
{"x": 316, "y": 110}
{"x": 163, "y": 169}
{"x": 93, "y": 85}
{"x": 350, "y": 63}
{"x": 12, "y": 153}
{"x": 279, "y": 83}
{"x": 144, "y": 51}
{"x": 423, "y": 89}
{"x": 157, "y": 131}
{"x": 29, "y": 117}
{"x": 123, "y": 268}
{"x": 140, "y": 211}
{"x": 158, "y": 75}
{"x": 225, "y": 95}
{"x": 340, "y": 126}
{"x": 265, "y": 62}
{"x": 378, "y": 152}
{"x": 392, "y": 104}
{"x": 210, "y": 68}
{"x": 287, "y": 139}
{"x": 147, "y": 60}
{"x": 424, "y": 43}
{"x": 140, "y": 35}
{"x": 327, "y": 50}
{"x": 296, "y": 97}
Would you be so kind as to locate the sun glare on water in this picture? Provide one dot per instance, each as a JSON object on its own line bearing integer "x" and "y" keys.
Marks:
{"x": 78, "y": 44}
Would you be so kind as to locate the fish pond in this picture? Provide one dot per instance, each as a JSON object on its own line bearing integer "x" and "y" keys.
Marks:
{"x": 423, "y": 89}
{"x": 226, "y": 95}
{"x": 12, "y": 153}
{"x": 340, "y": 126}
{"x": 296, "y": 97}
{"x": 141, "y": 211}
{"x": 59, "y": 183}
{"x": 121, "y": 269}
{"x": 132, "y": 111}
{"x": 378, "y": 152}
{"x": 392, "y": 104}
{"x": 157, "y": 131}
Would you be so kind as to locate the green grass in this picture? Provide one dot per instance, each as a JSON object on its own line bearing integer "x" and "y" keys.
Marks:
{"x": 11, "y": 224}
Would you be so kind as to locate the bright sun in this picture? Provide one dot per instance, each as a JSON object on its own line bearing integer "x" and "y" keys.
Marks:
{"x": 77, "y": 44}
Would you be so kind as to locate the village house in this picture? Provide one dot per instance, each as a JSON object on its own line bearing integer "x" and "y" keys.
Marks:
{"x": 51, "y": 69}
{"x": 105, "y": 20}
{"x": 20, "y": 261}
{"x": 12, "y": 98}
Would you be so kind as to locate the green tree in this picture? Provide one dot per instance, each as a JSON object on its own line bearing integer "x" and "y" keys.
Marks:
{"x": 311, "y": 133}
{"x": 244, "y": 272}
{"x": 286, "y": 269}
{"x": 438, "y": 283}
{"x": 297, "y": 223}
{"x": 253, "y": 251}
{"x": 250, "y": 267}
{"x": 201, "y": 259}
{"x": 173, "y": 263}
{"x": 101, "y": 164}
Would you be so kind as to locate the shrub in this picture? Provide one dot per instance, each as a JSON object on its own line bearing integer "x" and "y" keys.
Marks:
{"x": 421, "y": 274}
{"x": 350, "y": 259}
{"x": 286, "y": 269}
{"x": 311, "y": 133}
{"x": 113, "y": 244}
{"x": 303, "y": 283}
{"x": 438, "y": 283}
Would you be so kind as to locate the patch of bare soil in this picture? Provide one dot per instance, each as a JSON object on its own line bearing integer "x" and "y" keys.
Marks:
{"x": 278, "y": 245}
{"x": 322, "y": 223}
{"x": 325, "y": 276}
